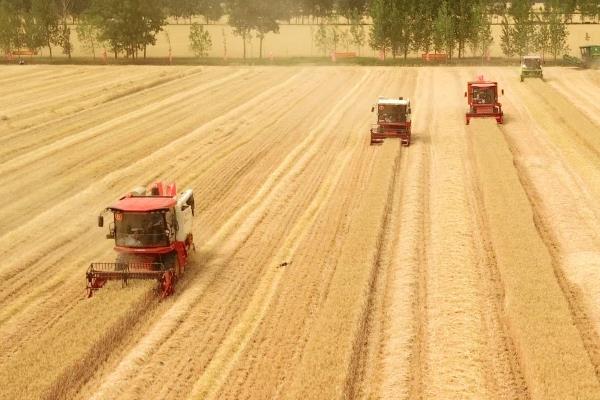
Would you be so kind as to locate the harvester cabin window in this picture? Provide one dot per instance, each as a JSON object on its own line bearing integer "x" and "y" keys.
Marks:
{"x": 141, "y": 230}
{"x": 392, "y": 113}
{"x": 482, "y": 95}
{"x": 532, "y": 63}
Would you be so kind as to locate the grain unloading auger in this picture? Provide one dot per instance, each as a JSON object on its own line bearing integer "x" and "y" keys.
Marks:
{"x": 152, "y": 230}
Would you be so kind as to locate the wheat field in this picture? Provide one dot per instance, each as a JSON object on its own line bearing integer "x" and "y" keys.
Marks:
{"x": 466, "y": 266}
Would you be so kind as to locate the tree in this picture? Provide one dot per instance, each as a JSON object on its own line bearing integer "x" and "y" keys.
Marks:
{"x": 380, "y": 38}
{"x": 443, "y": 31}
{"x": 423, "y": 25}
{"x": 506, "y": 40}
{"x": 401, "y": 27}
{"x": 88, "y": 34}
{"x": 523, "y": 31}
{"x": 357, "y": 33}
{"x": 351, "y": 8}
{"x": 557, "y": 32}
{"x": 242, "y": 18}
{"x": 212, "y": 10}
{"x": 43, "y": 25}
{"x": 64, "y": 32}
{"x": 542, "y": 36}
{"x": 128, "y": 25}
{"x": 481, "y": 38}
{"x": 12, "y": 35}
{"x": 345, "y": 39}
{"x": 322, "y": 39}
{"x": 267, "y": 12}
{"x": 182, "y": 8}
{"x": 200, "y": 40}
{"x": 260, "y": 16}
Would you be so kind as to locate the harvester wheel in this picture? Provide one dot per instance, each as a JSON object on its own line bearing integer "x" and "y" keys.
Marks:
{"x": 522, "y": 78}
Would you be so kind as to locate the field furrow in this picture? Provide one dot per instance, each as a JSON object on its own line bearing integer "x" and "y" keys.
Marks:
{"x": 465, "y": 266}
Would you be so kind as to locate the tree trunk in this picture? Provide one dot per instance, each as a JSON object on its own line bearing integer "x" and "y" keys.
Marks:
{"x": 261, "y": 47}
{"x": 244, "y": 39}
{"x": 145, "y": 46}
{"x": 50, "y": 48}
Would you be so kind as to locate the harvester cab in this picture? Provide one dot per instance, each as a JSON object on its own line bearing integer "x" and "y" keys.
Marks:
{"x": 590, "y": 56}
{"x": 393, "y": 120}
{"x": 482, "y": 97}
{"x": 152, "y": 230}
{"x": 531, "y": 67}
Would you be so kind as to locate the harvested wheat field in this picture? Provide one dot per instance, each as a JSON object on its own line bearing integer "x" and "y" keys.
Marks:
{"x": 466, "y": 266}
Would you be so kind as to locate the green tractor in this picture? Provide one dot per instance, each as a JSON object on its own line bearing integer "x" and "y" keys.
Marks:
{"x": 531, "y": 67}
{"x": 590, "y": 56}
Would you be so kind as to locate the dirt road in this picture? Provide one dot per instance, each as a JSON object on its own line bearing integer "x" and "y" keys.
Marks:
{"x": 463, "y": 267}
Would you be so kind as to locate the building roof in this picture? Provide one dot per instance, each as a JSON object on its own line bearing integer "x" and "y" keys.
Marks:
{"x": 483, "y": 84}
{"x": 144, "y": 204}
{"x": 393, "y": 102}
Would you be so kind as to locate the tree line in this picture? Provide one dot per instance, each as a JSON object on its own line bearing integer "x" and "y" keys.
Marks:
{"x": 397, "y": 27}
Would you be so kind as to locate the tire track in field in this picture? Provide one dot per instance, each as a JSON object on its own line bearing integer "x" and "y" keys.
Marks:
{"x": 271, "y": 335}
{"x": 82, "y": 169}
{"x": 25, "y": 267}
{"x": 40, "y": 152}
{"x": 367, "y": 361}
{"x": 186, "y": 157}
{"x": 58, "y": 127}
{"x": 566, "y": 217}
{"x": 536, "y": 310}
{"x": 241, "y": 223}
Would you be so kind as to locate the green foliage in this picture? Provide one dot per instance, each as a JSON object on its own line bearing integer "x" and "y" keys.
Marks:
{"x": 506, "y": 42}
{"x": 523, "y": 31}
{"x": 89, "y": 34}
{"x": 200, "y": 40}
{"x": 259, "y": 16}
{"x": 444, "y": 39}
{"x": 557, "y": 34}
{"x": 42, "y": 25}
{"x": 128, "y": 25}
{"x": 481, "y": 37}
{"x": 11, "y": 26}
{"x": 380, "y": 38}
{"x": 357, "y": 33}
{"x": 327, "y": 38}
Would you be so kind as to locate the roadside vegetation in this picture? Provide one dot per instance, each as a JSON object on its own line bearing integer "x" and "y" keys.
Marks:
{"x": 125, "y": 29}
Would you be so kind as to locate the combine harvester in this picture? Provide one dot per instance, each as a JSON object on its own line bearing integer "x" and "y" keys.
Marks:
{"x": 482, "y": 97}
{"x": 152, "y": 229}
{"x": 590, "y": 57}
{"x": 531, "y": 67}
{"x": 393, "y": 120}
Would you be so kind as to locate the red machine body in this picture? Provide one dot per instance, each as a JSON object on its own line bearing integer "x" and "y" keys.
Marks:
{"x": 482, "y": 97}
{"x": 393, "y": 120}
{"x": 152, "y": 229}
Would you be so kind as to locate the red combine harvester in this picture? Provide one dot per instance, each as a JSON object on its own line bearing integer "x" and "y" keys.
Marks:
{"x": 152, "y": 229}
{"x": 393, "y": 120}
{"x": 482, "y": 97}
